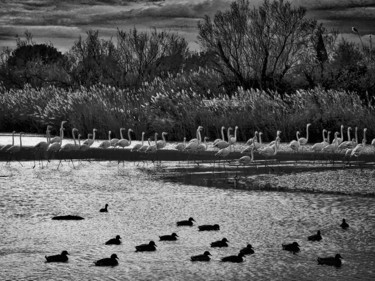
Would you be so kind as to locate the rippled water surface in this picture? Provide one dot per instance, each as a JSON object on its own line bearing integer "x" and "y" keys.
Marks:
{"x": 141, "y": 208}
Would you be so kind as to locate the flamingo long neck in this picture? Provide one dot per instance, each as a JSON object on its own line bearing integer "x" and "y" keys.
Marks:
{"x": 324, "y": 137}
{"x": 129, "y": 136}
{"x": 307, "y": 133}
{"x": 74, "y": 137}
{"x": 222, "y": 133}
{"x": 349, "y": 133}
{"x": 297, "y": 135}
{"x": 109, "y": 135}
{"x": 364, "y": 140}
{"x": 143, "y": 137}
{"x": 20, "y": 140}
{"x": 328, "y": 136}
{"x": 79, "y": 139}
{"x": 93, "y": 135}
{"x": 276, "y": 145}
{"x": 342, "y": 132}
{"x": 199, "y": 137}
{"x": 121, "y": 133}
{"x": 252, "y": 154}
{"x": 356, "y": 134}
{"x": 61, "y": 135}
{"x": 235, "y": 133}
{"x": 156, "y": 140}
{"x": 260, "y": 138}
{"x": 163, "y": 136}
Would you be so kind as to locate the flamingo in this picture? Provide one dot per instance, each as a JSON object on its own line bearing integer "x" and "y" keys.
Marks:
{"x": 319, "y": 145}
{"x": 246, "y": 160}
{"x": 152, "y": 149}
{"x": 341, "y": 138}
{"x": 55, "y": 147}
{"x": 7, "y": 146}
{"x": 223, "y": 144}
{"x": 257, "y": 144}
{"x": 303, "y": 141}
{"x": 294, "y": 144}
{"x": 58, "y": 138}
{"x": 333, "y": 146}
{"x": 143, "y": 148}
{"x": 349, "y": 143}
{"x": 192, "y": 146}
{"x": 114, "y": 141}
{"x": 162, "y": 143}
{"x": 233, "y": 140}
{"x": 200, "y": 128}
{"x": 15, "y": 148}
{"x": 42, "y": 146}
{"x": 222, "y": 136}
{"x": 269, "y": 151}
{"x": 222, "y": 153}
{"x": 89, "y": 141}
{"x": 202, "y": 146}
{"x": 107, "y": 143}
{"x": 359, "y": 148}
{"x": 138, "y": 145}
{"x": 124, "y": 142}
{"x": 274, "y": 141}
{"x": 83, "y": 146}
{"x": 181, "y": 146}
{"x": 251, "y": 140}
{"x": 68, "y": 147}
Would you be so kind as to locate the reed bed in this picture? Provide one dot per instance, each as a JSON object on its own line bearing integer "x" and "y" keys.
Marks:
{"x": 171, "y": 105}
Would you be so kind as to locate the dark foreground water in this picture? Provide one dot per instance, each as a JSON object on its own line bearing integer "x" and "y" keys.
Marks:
{"x": 141, "y": 208}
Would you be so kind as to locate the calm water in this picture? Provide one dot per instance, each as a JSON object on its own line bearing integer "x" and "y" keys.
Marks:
{"x": 142, "y": 208}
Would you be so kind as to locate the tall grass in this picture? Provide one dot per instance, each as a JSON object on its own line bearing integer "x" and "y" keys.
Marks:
{"x": 171, "y": 105}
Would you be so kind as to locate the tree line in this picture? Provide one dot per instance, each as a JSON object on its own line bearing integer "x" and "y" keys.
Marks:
{"x": 273, "y": 47}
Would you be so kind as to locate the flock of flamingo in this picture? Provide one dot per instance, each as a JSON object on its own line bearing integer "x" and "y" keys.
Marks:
{"x": 51, "y": 146}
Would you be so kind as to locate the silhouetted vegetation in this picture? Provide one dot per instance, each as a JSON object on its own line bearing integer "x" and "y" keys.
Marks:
{"x": 259, "y": 68}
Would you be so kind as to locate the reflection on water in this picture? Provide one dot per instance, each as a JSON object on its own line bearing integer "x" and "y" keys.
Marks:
{"x": 143, "y": 207}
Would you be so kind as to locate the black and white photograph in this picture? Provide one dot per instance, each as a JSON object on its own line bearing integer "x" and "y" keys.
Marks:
{"x": 187, "y": 140}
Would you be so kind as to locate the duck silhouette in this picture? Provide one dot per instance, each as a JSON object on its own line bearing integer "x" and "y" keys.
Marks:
{"x": 334, "y": 261}
{"x": 67, "y": 218}
{"x": 204, "y": 257}
{"x": 248, "y": 250}
{"x": 315, "y": 237}
{"x": 114, "y": 241}
{"x": 344, "y": 224}
{"x": 150, "y": 247}
{"x": 293, "y": 247}
{"x": 112, "y": 261}
{"x": 172, "y": 237}
{"x": 105, "y": 209}
{"x": 58, "y": 258}
{"x": 220, "y": 243}
{"x": 188, "y": 222}
{"x": 238, "y": 258}
{"x": 208, "y": 227}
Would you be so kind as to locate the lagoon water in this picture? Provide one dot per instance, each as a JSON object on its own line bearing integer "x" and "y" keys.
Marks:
{"x": 142, "y": 207}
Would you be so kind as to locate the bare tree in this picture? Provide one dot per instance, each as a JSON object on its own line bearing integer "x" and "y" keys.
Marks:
{"x": 258, "y": 47}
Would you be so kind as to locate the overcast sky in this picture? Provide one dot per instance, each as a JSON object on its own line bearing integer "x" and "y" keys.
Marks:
{"x": 62, "y": 21}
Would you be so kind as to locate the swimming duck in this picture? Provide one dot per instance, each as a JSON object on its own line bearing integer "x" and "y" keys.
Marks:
{"x": 104, "y": 210}
{"x": 114, "y": 241}
{"x": 112, "y": 261}
{"x": 208, "y": 227}
{"x": 294, "y": 247}
{"x": 172, "y": 237}
{"x": 150, "y": 247}
{"x": 204, "y": 257}
{"x": 315, "y": 237}
{"x": 238, "y": 258}
{"x": 344, "y": 224}
{"x": 68, "y": 217}
{"x": 248, "y": 250}
{"x": 58, "y": 258}
{"x": 335, "y": 261}
{"x": 188, "y": 222}
{"x": 220, "y": 243}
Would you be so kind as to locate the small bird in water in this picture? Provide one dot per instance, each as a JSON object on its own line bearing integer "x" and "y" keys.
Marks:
{"x": 58, "y": 258}
{"x": 208, "y": 227}
{"x": 150, "y": 247}
{"x": 220, "y": 243}
{"x": 204, "y": 257}
{"x": 248, "y": 250}
{"x": 335, "y": 261}
{"x": 172, "y": 237}
{"x": 237, "y": 259}
{"x": 315, "y": 237}
{"x": 112, "y": 261}
{"x": 344, "y": 224}
{"x": 293, "y": 247}
{"x": 114, "y": 241}
{"x": 188, "y": 222}
{"x": 105, "y": 209}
